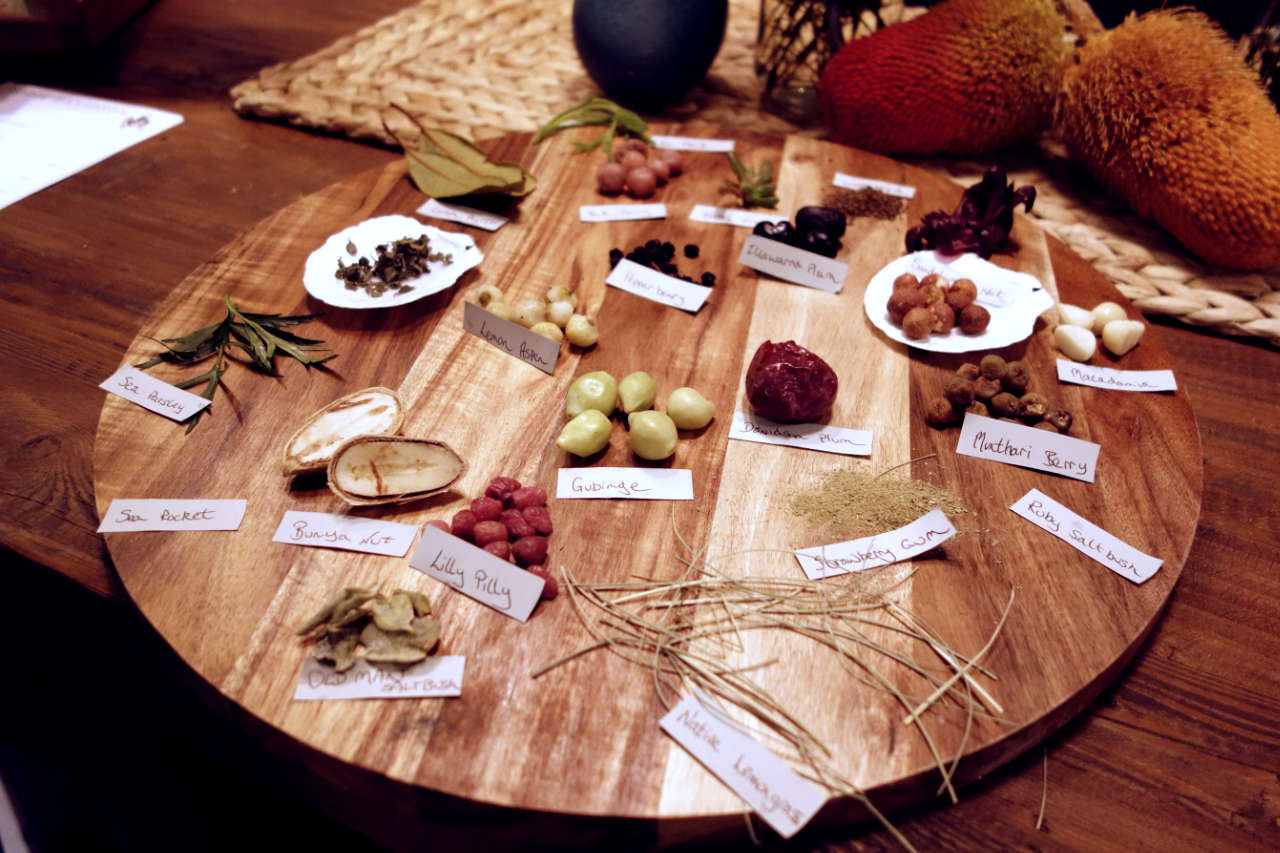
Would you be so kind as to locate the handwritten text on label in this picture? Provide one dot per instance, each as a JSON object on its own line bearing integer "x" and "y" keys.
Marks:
{"x": 924, "y": 534}
{"x": 475, "y": 572}
{"x": 466, "y": 215}
{"x": 642, "y": 484}
{"x": 433, "y": 677}
{"x": 830, "y": 439}
{"x": 794, "y": 265}
{"x": 654, "y": 286}
{"x": 1119, "y": 380}
{"x": 141, "y": 514}
{"x": 348, "y": 532}
{"x": 693, "y": 143}
{"x": 620, "y": 212}
{"x": 777, "y": 793}
{"x": 850, "y": 182}
{"x": 1015, "y": 444}
{"x": 1087, "y": 538}
{"x": 732, "y": 216}
{"x": 515, "y": 340}
{"x": 152, "y": 394}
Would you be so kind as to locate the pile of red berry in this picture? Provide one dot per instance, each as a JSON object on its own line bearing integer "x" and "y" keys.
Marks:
{"x": 509, "y": 521}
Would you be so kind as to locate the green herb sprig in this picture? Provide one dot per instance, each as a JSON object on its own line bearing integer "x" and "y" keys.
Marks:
{"x": 598, "y": 111}
{"x": 754, "y": 188}
{"x": 260, "y": 336}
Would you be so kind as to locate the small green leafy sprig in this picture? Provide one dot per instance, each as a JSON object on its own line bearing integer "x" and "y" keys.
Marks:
{"x": 598, "y": 111}
{"x": 754, "y": 188}
{"x": 260, "y": 336}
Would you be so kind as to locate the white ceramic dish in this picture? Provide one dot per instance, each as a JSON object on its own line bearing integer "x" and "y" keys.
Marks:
{"x": 1014, "y": 299}
{"x": 318, "y": 274}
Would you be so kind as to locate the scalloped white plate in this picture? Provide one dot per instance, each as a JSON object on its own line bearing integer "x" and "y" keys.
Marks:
{"x": 1014, "y": 299}
{"x": 318, "y": 274}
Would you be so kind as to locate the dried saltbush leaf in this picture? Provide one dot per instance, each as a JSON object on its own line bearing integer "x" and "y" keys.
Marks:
{"x": 345, "y": 607}
{"x": 421, "y": 604}
{"x": 327, "y": 613}
{"x": 338, "y": 650}
{"x": 425, "y": 632}
{"x": 395, "y": 653}
{"x": 380, "y": 469}
{"x": 372, "y": 411}
{"x": 393, "y": 613}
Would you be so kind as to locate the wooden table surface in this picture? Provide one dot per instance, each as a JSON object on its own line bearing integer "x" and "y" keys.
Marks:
{"x": 1181, "y": 753}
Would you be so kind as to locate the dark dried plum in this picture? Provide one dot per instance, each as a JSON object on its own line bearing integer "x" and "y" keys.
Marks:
{"x": 817, "y": 218}
{"x": 818, "y": 242}
{"x": 780, "y": 231}
{"x": 788, "y": 384}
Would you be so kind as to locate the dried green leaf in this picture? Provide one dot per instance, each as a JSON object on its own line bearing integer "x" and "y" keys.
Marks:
{"x": 425, "y": 632}
{"x": 395, "y": 653}
{"x": 421, "y": 604}
{"x": 393, "y": 613}
{"x": 445, "y": 165}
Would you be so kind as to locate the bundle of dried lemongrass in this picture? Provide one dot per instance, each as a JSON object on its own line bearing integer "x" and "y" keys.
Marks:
{"x": 684, "y": 630}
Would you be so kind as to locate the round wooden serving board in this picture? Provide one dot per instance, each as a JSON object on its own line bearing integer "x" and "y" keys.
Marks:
{"x": 584, "y": 739}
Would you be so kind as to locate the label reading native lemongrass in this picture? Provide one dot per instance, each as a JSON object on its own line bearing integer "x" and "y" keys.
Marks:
{"x": 783, "y": 799}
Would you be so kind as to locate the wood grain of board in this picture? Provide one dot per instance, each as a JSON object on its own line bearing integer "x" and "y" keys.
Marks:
{"x": 583, "y": 739}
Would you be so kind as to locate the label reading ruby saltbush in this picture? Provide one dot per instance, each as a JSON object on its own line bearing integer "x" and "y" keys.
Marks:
{"x": 1086, "y": 537}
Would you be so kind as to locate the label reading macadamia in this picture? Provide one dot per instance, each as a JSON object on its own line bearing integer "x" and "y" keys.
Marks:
{"x": 781, "y": 797}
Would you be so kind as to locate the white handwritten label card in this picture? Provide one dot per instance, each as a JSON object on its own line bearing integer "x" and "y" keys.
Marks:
{"x": 830, "y": 439}
{"x": 656, "y": 287}
{"x": 920, "y": 536}
{"x": 794, "y": 265}
{"x": 1087, "y": 538}
{"x": 636, "y": 484}
{"x": 150, "y": 514}
{"x": 783, "y": 799}
{"x": 513, "y": 339}
{"x": 732, "y": 216}
{"x": 348, "y": 532}
{"x": 852, "y": 182}
{"x": 1117, "y": 380}
{"x": 150, "y": 393}
{"x": 693, "y": 143}
{"x": 466, "y": 215}
{"x": 620, "y": 212}
{"x": 434, "y": 677}
{"x": 1027, "y": 447}
{"x": 475, "y": 572}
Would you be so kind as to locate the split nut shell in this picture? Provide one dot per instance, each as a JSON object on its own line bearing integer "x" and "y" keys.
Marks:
{"x": 382, "y": 469}
{"x": 373, "y": 411}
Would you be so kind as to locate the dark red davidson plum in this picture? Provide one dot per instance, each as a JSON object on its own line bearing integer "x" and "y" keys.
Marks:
{"x": 788, "y": 384}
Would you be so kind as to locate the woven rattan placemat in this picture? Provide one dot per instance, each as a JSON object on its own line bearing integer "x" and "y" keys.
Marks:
{"x": 484, "y": 69}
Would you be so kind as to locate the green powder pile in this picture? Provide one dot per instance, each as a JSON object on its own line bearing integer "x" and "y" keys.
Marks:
{"x": 850, "y": 504}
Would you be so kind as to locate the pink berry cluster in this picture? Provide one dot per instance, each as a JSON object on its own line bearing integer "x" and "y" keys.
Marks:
{"x": 510, "y": 521}
{"x": 632, "y": 169}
